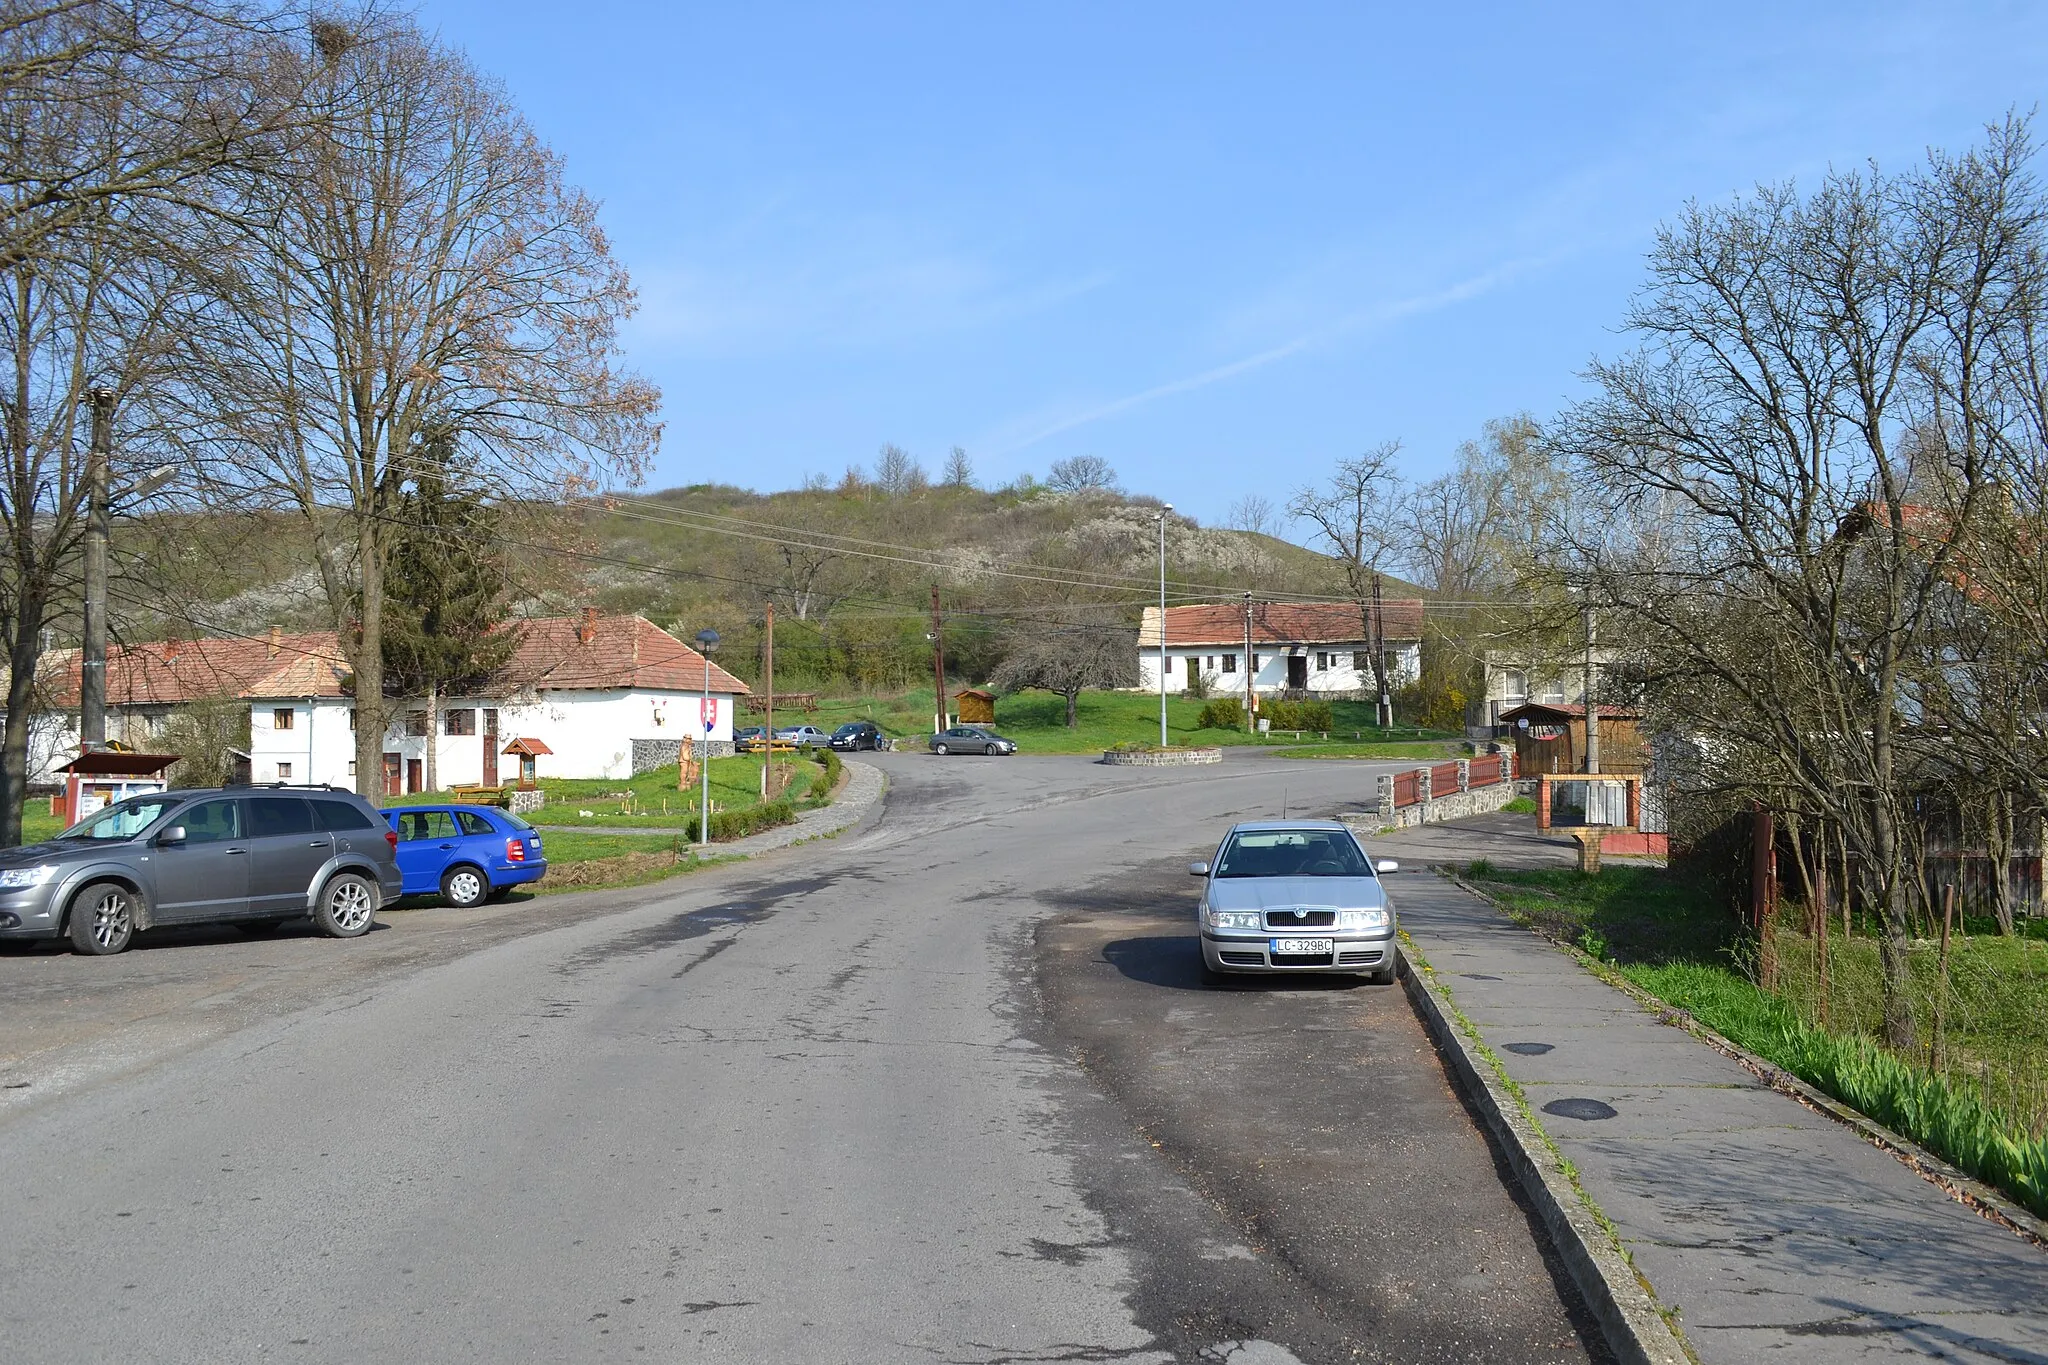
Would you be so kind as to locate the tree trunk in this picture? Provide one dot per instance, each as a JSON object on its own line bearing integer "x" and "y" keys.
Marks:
{"x": 433, "y": 737}
{"x": 23, "y": 652}
{"x": 368, "y": 661}
{"x": 1073, "y": 698}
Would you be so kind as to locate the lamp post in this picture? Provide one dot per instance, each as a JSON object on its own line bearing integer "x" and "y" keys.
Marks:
{"x": 1164, "y": 513}
{"x": 707, "y": 640}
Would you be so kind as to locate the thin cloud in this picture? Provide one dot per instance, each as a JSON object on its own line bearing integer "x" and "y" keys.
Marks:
{"x": 1378, "y": 316}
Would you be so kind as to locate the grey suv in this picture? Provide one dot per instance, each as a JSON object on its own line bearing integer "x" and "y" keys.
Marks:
{"x": 255, "y": 856}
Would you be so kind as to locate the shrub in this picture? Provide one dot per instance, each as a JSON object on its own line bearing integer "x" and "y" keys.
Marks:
{"x": 1299, "y": 715}
{"x": 737, "y": 824}
{"x": 1221, "y": 713}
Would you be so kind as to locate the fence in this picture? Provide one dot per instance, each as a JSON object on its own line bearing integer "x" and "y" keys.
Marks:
{"x": 1446, "y": 791}
{"x": 1407, "y": 787}
{"x": 1443, "y": 778}
{"x": 1485, "y": 771}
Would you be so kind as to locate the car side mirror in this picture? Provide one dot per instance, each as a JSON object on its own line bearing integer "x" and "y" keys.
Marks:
{"x": 1198, "y": 869}
{"x": 174, "y": 835}
{"x": 1386, "y": 865}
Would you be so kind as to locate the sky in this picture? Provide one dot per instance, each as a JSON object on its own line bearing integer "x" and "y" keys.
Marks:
{"x": 1220, "y": 246}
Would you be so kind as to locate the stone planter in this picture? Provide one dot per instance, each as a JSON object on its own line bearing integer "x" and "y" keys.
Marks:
{"x": 1160, "y": 758}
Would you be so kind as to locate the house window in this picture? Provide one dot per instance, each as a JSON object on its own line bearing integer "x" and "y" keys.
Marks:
{"x": 416, "y": 723}
{"x": 1255, "y": 663}
{"x": 281, "y": 718}
{"x": 351, "y": 717}
{"x": 1361, "y": 661}
{"x": 284, "y": 771}
{"x": 1322, "y": 661}
{"x": 459, "y": 722}
{"x": 1230, "y": 663}
{"x": 491, "y": 720}
{"x": 1515, "y": 683}
{"x": 351, "y": 767}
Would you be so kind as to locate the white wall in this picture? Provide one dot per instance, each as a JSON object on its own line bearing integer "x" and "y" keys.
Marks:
{"x": 1405, "y": 666}
{"x": 590, "y": 732}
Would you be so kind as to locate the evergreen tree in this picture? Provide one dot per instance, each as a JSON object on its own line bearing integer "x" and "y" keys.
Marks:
{"x": 445, "y": 590}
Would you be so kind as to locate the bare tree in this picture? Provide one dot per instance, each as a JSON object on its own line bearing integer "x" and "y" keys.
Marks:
{"x": 959, "y": 469}
{"x": 416, "y": 259}
{"x": 1356, "y": 518}
{"x": 1086, "y": 649}
{"x": 114, "y": 123}
{"x": 1758, "y": 513}
{"x": 896, "y": 473}
{"x": 1082, "y": 474}
{"x": 1253, "y": 514}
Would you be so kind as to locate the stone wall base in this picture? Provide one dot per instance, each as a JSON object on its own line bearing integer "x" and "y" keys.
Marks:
{"x": 1160, "y": 758}
{"x": 649, "y": 754}
{"x": 1450, "y": 806}
{"x": 526, "y": 802}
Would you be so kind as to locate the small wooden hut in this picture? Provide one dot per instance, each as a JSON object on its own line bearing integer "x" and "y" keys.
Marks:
{"x": 976, "y": 707}
{"x": 1551, "y": 738}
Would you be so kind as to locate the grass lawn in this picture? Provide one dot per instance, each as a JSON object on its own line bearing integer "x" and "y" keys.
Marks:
{"x": 1982, "y": 1104}
{"x": 1038, "y": 722}
{"x": 648, "y": 800}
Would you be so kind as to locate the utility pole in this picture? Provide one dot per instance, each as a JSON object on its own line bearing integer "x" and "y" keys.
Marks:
{"x": 1251, "y": 723}
{"x": 938, "y": 663}
{"x": 92, "y": 671}
{"x": 1164, "y": 513}
{"x": 768, "y": 686}
{"x": 1384, "y": 711}
{"x": 1592, "y": 701}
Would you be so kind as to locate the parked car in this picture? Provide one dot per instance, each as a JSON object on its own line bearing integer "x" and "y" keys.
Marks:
{"x": 469, "y": 854}
{"x": 856, "y": 735}
{"x": 746, "y": 741}
{"x": 253, "y": 857}
{"x": 1295, "y": 896}
{"x": 804, "y": 736}
{"x": 971, "y": 739}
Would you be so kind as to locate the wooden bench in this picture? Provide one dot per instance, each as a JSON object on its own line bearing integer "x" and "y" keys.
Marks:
{"x": 475, "y": 794}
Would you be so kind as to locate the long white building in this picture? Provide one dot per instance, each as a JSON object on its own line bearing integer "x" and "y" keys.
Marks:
{"x": 1310, "y": 648}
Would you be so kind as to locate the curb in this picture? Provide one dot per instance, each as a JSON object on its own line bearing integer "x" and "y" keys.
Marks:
{"x": 1619, "y": 1299}
{"x": 1989, "y": 1203}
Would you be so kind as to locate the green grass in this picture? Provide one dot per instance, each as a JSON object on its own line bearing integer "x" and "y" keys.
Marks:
{"x": 1521, "y": 805}
{"x": 1984, "y": 1108}
{"x": 1038, "y": 722}
{"x": 648, "y": 800}
{"x": 1427, "y": 752}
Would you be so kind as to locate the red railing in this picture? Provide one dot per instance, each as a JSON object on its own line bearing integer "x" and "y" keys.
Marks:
{"x": 1407, "y": 787}
{"x": 1443, "y": 779}
{"x": 1486, "y": 771}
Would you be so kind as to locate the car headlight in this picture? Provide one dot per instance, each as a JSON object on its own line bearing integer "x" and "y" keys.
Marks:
{"x": 1362, "y": 919}
{"x": 1232, "y": 919}
{"x": 14, "y": 878}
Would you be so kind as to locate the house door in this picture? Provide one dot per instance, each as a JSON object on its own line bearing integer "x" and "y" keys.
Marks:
{"x": 1297, "y": 671}
{"x": 415, "y": 773}
{"x": 490, "y": 729}
{"x": 1194, "y": 673}
{"x": 391, "y": 774}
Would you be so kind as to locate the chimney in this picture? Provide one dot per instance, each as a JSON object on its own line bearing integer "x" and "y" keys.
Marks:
{"x": 276, "y": 637}
{"x": 587, "y": 630}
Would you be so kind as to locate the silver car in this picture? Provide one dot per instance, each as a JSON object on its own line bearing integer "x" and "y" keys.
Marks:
{"x": 1296, "y": 896}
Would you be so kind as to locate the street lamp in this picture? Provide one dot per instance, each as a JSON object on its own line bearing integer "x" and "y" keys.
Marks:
{"x": 707, "y": 640}
{"x": 1164, "y": 513}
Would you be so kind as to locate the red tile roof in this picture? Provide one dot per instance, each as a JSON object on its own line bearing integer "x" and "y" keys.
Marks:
{"x": 171, "y": 672}
{"x": 1279, "y": 623}
{"x": 622, "y": 652}
{"x": 1574, "y": 709}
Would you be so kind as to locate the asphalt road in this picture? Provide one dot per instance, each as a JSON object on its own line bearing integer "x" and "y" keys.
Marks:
{"x": 941, "y": 1089}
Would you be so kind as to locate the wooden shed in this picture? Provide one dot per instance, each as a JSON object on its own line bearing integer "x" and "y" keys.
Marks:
{"x": 976, "y": 707}
{"x": 528, "y": 750}
{"x": 1551, "y": 738}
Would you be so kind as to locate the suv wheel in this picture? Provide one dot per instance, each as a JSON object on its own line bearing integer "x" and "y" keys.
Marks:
{"x": 347, "y": 906}
{"x": 102, "y": 920}
{"x": 464, "y": 887}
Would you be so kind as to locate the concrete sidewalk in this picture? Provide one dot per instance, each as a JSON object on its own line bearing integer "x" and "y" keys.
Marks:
{"x": 1774, "y": 1231}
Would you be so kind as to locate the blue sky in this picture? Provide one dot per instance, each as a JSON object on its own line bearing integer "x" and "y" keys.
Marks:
{"x": 1219, "y": 246}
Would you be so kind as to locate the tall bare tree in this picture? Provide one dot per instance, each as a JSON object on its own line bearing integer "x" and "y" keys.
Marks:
{"x": 417, "y": 256}
{"x": 1356, "y": 518}
{"x": 116, "y": 122}
{"x": 1759, "y": 516}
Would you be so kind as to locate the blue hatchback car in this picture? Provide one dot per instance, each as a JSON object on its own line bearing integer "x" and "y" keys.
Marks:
{"x": 467, "y": 853}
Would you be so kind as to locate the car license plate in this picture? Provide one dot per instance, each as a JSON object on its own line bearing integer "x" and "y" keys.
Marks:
{"x": 1303, "y": 947}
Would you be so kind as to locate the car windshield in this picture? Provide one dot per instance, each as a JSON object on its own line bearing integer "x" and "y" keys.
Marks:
{"x": 847, "y": 730}
{"x": 1292, "y": 853}
{"x": 124, "y": 820}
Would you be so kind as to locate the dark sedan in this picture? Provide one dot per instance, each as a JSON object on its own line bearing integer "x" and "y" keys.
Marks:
{"x": 857, "y": 735}
{"x": 970, "y": 739}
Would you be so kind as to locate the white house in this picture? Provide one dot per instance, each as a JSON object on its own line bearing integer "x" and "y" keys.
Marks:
{"x": 603, "y": 696}
{"x": 1511, "y": 682}
{"x": 1311, "y": 648}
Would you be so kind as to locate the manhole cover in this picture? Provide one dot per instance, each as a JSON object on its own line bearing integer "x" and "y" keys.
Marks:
{"x": 1527, "y": 1049}
{"x": 1580, "y": 1109}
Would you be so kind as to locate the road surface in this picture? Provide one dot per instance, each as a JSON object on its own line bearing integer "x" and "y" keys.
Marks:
{"x": 943, "y": 1089}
